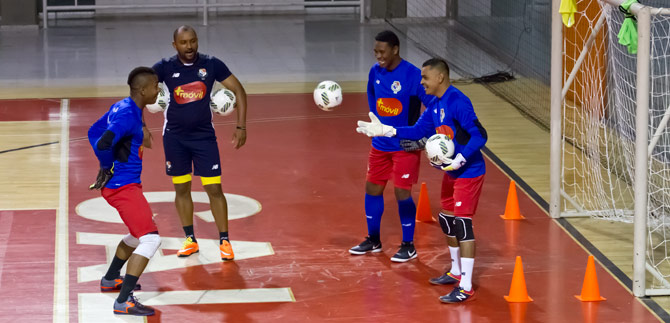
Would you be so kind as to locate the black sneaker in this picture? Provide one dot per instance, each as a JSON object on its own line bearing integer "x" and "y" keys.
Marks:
{"x": 114, "y": 285}
{"x": 458, "y": 295}
{"x": 366, "y": 246}
{"x": 446, "y": 279}
{"x": 132, "y": 307}
{"x": 407, "y": 252}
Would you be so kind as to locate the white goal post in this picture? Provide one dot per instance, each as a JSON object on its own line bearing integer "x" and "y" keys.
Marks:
{"x": 605, "y": 104}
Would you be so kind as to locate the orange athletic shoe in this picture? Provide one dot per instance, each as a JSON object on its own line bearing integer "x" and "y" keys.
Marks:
{"x": 226, "y": 250}
{"x": 188, "y": 248}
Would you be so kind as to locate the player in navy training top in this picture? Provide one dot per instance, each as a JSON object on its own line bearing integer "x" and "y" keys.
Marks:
{"x": 188, "y": 134}
{"x": 450, "y": 113}
{"x": 118, "y": 139}
{"x": 394, "y": 95}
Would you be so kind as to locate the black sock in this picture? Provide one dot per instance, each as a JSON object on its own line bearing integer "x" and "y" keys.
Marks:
{"x": 223, "y": 236}
{"x": 188, "y": 231}
{"x": 114, "y": 270}
{"x": 129, "y": 282}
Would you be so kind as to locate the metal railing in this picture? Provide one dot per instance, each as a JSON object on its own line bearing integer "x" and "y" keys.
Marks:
{"x": 205, "y": 6}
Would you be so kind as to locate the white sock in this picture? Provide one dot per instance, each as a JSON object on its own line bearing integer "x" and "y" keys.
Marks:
{"x": 455, "y": 260}
{"x": 466, "y": 275}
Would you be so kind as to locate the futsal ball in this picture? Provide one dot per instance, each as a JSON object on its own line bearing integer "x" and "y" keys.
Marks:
{"x": 439, "y": 149}
{"x": 222, "y": 101}
{"x": 162, "y": 100}
{"x": 327, "y": 95}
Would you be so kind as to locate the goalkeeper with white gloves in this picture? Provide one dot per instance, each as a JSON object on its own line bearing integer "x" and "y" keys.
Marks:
{"x": 450, "y": 113}
{"x": 394, "y": 95}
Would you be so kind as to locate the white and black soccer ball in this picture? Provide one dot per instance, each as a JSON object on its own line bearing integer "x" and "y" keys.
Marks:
{"x": 439, "y": 149}
{"x": 222, "y": 102}
{"x": 327, "y": 95}
{"x": 162, "y": 100}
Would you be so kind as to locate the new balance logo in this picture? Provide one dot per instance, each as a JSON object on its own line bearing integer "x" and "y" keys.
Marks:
{"x": 175, "y": 75}
{"x": 216, "y": 166}
{"x": 461, "y": 296}
{"x": 405, "y": 176}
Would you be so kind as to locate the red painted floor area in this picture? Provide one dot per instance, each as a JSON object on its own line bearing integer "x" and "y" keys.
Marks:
{"x": 307, "y": 169}
{"x": 27, "y": 265}
{"x": 30, "y": 110}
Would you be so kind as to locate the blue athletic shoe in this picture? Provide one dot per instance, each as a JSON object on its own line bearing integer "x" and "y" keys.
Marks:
{"x": 458, "y": 295}
{"x": 132, "y": 307}
{"x": 114, "y": 285}
{"x": 446, "y": 279}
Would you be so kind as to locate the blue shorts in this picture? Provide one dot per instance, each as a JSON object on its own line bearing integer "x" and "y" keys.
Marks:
{"x": 181, "y": 153}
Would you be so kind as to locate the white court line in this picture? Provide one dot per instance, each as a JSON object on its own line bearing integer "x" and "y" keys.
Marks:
{"x": 61, "y": 310}
{"x": 97, "y": 307}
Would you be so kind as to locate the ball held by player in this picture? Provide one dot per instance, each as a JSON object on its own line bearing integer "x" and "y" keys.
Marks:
{"x": 439, "y": 149}
{"x": 162, "y": 100}
{"x": 223, "y": 101}
{"x": 328, "y": 95}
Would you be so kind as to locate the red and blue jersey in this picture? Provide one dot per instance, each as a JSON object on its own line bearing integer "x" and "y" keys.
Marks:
{"x": 454, "y": 116}
{"x": 124, "y": 119}
{"x": 190, "y": 86}
{"x": 395, "y": 97}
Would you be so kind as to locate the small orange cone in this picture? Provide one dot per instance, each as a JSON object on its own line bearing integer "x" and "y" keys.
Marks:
{"x": 517, "y": 291}
{"x": 518, "y": 312}
{"x": 590, "y": 289}
{"x": 423, "y": 212}
{"x": 512, "y": 206}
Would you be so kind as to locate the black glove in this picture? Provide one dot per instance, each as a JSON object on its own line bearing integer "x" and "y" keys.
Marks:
{"x": 412, "y": 145}
{"x": 104, "y": 175}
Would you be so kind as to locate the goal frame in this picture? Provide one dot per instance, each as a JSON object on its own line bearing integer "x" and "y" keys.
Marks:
{"x": 642, "y": 141}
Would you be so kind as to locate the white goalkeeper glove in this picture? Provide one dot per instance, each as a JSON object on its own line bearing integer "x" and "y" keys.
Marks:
{"x": 375, "y": 128}
{"x": 456, "y": 163}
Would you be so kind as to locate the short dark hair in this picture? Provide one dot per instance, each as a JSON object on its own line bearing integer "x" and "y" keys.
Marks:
{"x": 182, "y": 28}
{"x": 133, "y": 77}
{"x": 388, "y": 37}
{"x": 438, "y": 63}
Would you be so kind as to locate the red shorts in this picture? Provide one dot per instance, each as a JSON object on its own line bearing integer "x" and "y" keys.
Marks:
{"x": 461, "y": 195}
{"x": 133, "y": 208}
{"x": 403, "y": 165}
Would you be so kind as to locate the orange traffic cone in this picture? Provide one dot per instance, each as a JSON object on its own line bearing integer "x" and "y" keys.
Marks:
{"x": 518, "y": 312}
{"x": 590, "y": 289}
{"x": 512, "y": 206}
{"x": 517, "y": 291}
{"x": 423, "y": 212}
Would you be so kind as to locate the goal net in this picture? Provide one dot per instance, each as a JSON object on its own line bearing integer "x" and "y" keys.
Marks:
{"x": 600, "y": 98}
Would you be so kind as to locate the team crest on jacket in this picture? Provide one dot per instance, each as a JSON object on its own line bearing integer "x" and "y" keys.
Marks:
{"x": 396, "y": 87}
{"x": 202, "y": 73}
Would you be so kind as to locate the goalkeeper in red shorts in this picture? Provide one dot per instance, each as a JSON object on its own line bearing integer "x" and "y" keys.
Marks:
{"x": 394, "y": 95}
{"x": 450, "y": 113}
{"x": 118, "y": 139}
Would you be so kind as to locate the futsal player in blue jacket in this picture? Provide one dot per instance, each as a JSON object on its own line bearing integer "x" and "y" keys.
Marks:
{"x": 118, "y": 139}
{"x": 450, "y": 113}
{"x": 188, "y": 134}
{"x": 394, "y": 95}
